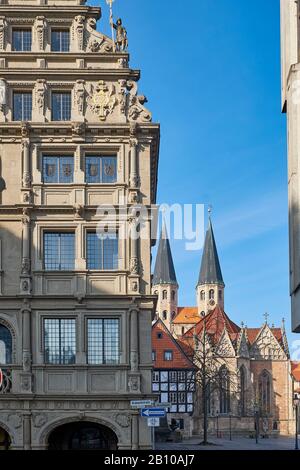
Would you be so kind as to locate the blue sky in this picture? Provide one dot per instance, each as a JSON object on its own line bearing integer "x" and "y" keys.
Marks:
{"x": 211, "y": 72}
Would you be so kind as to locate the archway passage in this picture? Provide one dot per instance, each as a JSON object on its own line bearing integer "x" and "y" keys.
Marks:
{"x": 4, "y": 440}
{"x": 82, "y": 436}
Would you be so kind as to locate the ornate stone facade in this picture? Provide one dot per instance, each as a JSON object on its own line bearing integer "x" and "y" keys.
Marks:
{"x": 98, "y": 120}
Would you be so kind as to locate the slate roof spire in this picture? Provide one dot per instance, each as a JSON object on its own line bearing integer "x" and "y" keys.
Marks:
{"x": 210, "y": 271}
{"x": 164, "y": 271}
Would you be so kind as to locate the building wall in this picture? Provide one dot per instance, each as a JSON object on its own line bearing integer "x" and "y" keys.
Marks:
{"x": 43, "y": 396}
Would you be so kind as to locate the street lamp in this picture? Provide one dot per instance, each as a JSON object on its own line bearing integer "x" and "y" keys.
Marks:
{"x": 296, "y": 404}
{"x": 256, "y": 414}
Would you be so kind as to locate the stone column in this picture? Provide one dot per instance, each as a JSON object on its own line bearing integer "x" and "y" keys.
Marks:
{"x": 27, "y": 431}
{"x": 25, "y": 287}
{"x": 134, "y": 178}
{"x": 26, "y": 164}
{"x": 134, "y": 353}
{"x": 135, "y": 432}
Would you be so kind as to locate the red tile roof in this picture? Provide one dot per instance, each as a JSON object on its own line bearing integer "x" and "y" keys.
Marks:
{"x": 187, "y": 315}
{"x": 168, "y": 343}
{"x": 216, "y": 321}
{"x": 296, "y": 370}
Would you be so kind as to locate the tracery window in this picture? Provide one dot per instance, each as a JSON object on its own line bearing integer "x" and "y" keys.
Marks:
{"x": 264, "y": 390}
{"x": 224, "y": 390}
{"x": 5, "y": 345}
{"x": 242, "y": 377}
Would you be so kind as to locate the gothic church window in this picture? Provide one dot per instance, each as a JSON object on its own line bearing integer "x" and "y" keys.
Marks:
{"x": 224, "y": 390}
{"x": 202, "y": 295}
{"x": 211, "y": 294}
{"x": 165, "y": 295}
{"x": 264, "y": 389}
{"x": 173, "y": 295}
{"x": 242, "y": 374}
{"x": 165, "y": 315}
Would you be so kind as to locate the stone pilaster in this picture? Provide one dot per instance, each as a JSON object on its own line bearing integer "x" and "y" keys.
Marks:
{"x": 134, "y": 380}
{"x": 25, "y": 278}
{"x": 134, "y": 277}
{"x": 27, "y": 431}
{"x": 135, "y": 432}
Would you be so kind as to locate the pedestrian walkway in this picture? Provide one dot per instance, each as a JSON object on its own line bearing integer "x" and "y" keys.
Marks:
{"x": 237, "y": 443}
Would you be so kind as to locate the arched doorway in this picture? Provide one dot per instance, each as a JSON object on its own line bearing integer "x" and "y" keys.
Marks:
{"x": 4, "y": 440}
{"x": 82, "y": 436}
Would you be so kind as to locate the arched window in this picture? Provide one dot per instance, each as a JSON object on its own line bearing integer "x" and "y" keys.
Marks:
{"x": 173, "y": 315}
{"x": 264, "y": 390}
{"x": 182, "y": 330}
{"x": 173, "y": 295}
{"x": 202, "y": 295}
{"x": 165, "y": 315}
{"x": 202, "y": 314}
{"x": 224, "y": 390}
{"x": 156, "y": 292}
{"x": 242, "y": 375}
{"x": 5, "y": 345}
{"x": 165, "y": 295}
{"x": 211, "y": 294}
{"x": 220, "y": 295}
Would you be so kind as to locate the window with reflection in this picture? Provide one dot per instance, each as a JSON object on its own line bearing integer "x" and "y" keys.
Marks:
{"x": 103, "y": 338}
{"x": 60, "y": 341}
{"x": 100, "y": 169}
{"x": 60, "y": 40}
{"x": 22, "y": 106}
{"x": 58, "y": 169}
{"x": 61, "y": 106}
{"x": 21, "y": 40}
{"x": 102, "y": 251}
{"x": 5, "y": 345}
{"x": 59, "y": 251}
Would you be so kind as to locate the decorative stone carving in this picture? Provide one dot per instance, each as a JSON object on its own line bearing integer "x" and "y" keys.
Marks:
{"x": 79, "y": 211}
{"x": 26, "y": 216}
{"x": 25, "y": 129}
{"x": 225, "y": 347}
{"x": 78, "y": 129}
{"x": 14, "y": 420}
{"x": 78, "y": 30}
{"x": 40, "y": 26}
{"x": 134, "y": 383}
{"x": 123, "y": 420}
{"x": 39, "y": 420}
{"x": 137, "y": 110}
{"x": 102, "y": 99}
{"x": 40, "y": 94}
{"x": 26, "y": 382}
{"x": 122, "y": 97}
{"x": 134, "y": 266}
{"x": 266, "y": 346}
{"x": 79, "y": 96}
{"x": 26, "y": 266}
{"x": 3, "y": 95}
{"x": 27, "y": 362}
{"x": 97, "y": 42}
{"x": 123, "y": 63}
{"x": 3, "y": 25}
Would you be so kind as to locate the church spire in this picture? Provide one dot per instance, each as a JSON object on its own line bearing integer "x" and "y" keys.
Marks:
{"x": 210, "y": 287}
{"x": 210, "y": 271}
{"x": 164, "y": 271}
{"x": 164, "y": 283}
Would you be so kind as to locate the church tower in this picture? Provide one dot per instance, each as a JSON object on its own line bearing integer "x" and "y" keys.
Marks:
{"x": 164, "y": 282}
{"x": 210, "y": 287}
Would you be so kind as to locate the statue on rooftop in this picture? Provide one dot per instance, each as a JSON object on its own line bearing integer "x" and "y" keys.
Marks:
{"x": 121, "y": 39}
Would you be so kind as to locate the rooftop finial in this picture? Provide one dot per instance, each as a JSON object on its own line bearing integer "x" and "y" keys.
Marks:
{"x": 210, "y": 208}
{"x": 283, "y": 324}
{"x": 266, "y": 315}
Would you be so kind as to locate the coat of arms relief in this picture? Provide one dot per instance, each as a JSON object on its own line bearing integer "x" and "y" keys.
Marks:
{"x": 104, "y": 97}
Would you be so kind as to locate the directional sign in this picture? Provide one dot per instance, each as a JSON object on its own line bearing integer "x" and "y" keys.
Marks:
{"x": 164, "y": 405}
{"x": 153, "y": 422}
{"x": 153, "y": 412}
{"x": 140, "y": 403}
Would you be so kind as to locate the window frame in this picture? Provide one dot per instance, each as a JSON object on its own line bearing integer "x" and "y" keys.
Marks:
{"x": 168, "y": 351}
{"x": 21, "y": 92}
{"x": 16, "y": 29}
{"x": 61, "y": 92}
{"x": 59, "y": 319}
{"x": 99, "y": 178}
{"x": 59, "y": 158}
{"x": 60, "y": 30}
{"x": 103, "y": 319}
{"x": 60, "y": 232}
{"x": 89, "y": 231}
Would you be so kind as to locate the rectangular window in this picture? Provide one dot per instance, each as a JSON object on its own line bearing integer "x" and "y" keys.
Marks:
{"x": 102, "y": 251}
{"x": 61, "y": 106}
{"x": 59, "y": 251}
{"x": 22, "y": 106}
{"x": 100, "y": 169}
{"x": 168, "y": 356}
{"x": 153, "y": 356}
{"x": 60, "y": 341}
{"x": 60, "y": 40}
{"x": 58, "y": 169}
{"x": 155, "y": 377}
{"x": 173, "y": 376}
{"x": 21, "y": 40}
{"x": 103, "y": 341}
